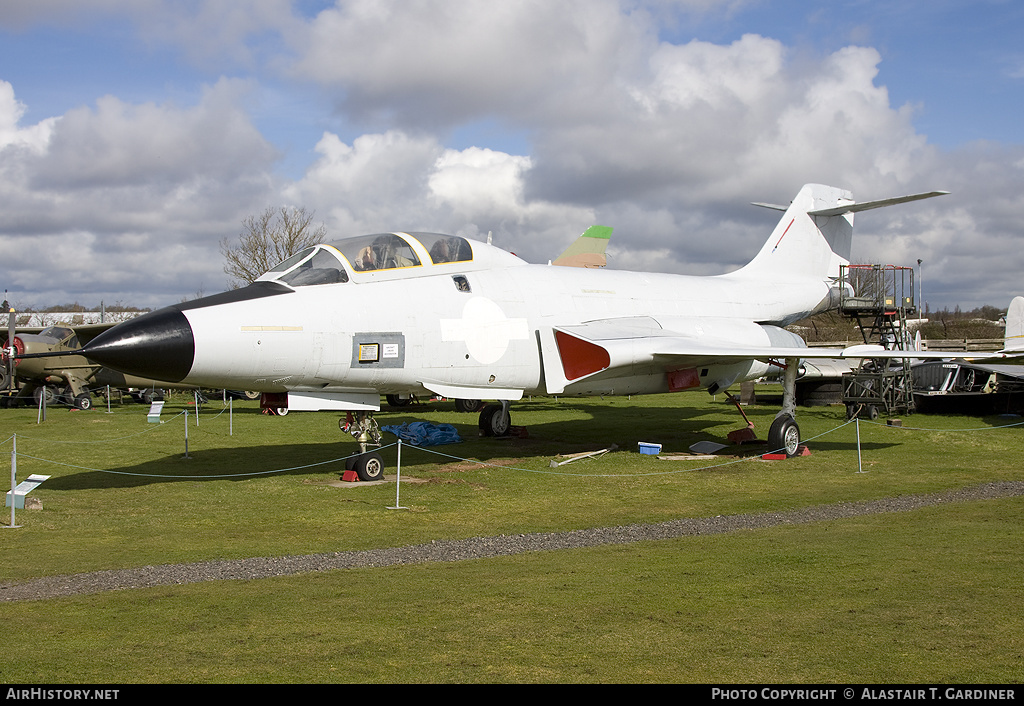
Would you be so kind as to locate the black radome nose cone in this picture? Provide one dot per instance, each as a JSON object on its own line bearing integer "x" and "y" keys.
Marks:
{"x": 158, "y": 345}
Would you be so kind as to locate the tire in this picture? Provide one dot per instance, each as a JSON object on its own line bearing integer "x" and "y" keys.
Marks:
{"x": 151, "y": 395}
{"x": 784, "y": 436}
{"x": 863, "y": 411}
{"x": 369, "y": 466}
{"x": 398, "y": 401}
{"x": 468, "y": 405}
{"x": 819, "y": 394}
{"x": 83, "y": 401}
{"x": 44, "y": 392}
{"x": 494, "y": 421}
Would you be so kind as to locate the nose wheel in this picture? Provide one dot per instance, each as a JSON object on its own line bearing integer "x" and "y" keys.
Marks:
{"x": 368, "y": 465}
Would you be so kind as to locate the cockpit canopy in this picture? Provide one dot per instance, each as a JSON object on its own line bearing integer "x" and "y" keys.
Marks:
{"x": 59, "y": 334}
{"x": 330, "y": 263}
{"x": 314, "y": 265}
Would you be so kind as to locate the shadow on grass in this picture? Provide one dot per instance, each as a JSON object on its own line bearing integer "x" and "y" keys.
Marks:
{"x": 553, "y": 427}
{"x": 215, "y": 464}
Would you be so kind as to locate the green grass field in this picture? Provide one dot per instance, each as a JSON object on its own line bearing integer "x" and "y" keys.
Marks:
{"x": 926, "y": 596}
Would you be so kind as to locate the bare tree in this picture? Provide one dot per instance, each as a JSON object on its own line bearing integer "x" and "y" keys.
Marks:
{"x": 267, "y": 239}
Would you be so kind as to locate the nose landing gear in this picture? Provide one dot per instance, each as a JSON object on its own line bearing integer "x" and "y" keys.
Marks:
{"x": 368, "y": 465}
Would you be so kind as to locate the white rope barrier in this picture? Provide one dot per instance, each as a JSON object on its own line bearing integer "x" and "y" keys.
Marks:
{"x": 484, "y": 464}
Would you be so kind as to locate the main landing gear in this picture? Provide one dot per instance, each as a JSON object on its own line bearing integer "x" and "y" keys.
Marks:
{"x": 784, "y": 434}
{"x": 495, "y": 419}
{"x": 368, "y": 465}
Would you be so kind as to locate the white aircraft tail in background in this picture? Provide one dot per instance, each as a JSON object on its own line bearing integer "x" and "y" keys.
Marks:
{"x": 1014, "y": 336}
{"x": 588, "y": 250}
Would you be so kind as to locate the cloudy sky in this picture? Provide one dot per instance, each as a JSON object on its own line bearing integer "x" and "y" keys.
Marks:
{"x": 136, "y": 134}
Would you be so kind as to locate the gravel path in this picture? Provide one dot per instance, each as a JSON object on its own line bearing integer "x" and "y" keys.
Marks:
{"x": 475, "y": 548}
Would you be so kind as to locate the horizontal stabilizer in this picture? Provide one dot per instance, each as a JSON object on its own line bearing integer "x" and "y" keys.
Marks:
{"x": 868, "y": 205}
{"x": 772, "y": 206}
{"x": 854, "y": 207}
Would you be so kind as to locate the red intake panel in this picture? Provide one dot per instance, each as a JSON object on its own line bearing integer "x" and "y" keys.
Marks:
{"x": 580, "y": 358}
{"x": 273, "y": 400}
{"x": 683, "y": 380}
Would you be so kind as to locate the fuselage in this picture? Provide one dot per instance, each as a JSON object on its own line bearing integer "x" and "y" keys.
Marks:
{"x": 467, "y": 327}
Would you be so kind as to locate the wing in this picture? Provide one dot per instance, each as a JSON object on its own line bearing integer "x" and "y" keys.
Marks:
{"x": 85, "y": 332}
{"x": 641, "y": 345}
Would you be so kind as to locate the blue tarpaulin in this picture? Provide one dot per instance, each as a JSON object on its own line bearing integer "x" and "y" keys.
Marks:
{"x": 425, "y": 433}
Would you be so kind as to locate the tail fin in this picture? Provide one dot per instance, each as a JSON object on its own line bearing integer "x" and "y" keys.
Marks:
{"x": 1014, "y": 338}
{"x": 815, "y": 235}
{"x": 587, "y": 250}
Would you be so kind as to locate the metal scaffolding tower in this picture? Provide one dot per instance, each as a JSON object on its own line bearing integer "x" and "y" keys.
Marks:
{"x": 880, "y": 298}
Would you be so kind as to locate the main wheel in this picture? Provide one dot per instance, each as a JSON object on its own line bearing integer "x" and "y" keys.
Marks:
{"x": 494, "y": 420}
{"x": 151, "y": 395}
{"x": 46, "y": 393}
{"x": 784, "y": 435}
{"x": 468, "y": 405}
{"x": 369, "y": 466}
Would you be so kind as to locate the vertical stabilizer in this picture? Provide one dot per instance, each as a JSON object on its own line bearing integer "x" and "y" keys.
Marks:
{"x": 587, "y": 250}
{"x": 806, "y": 245}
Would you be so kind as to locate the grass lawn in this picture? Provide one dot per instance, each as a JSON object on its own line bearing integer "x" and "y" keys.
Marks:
{"x": 931, "y": 595}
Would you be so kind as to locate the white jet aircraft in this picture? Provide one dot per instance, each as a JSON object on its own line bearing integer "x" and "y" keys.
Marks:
{"x": 420, "y": 313}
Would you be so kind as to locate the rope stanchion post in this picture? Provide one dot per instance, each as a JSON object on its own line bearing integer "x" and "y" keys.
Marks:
{"x": 186, "y": 432}
{"x": 13, "y": 480}
{"x": 398, "y": 479}
{"x": 14, "y": 474}
{"x": 860, "y": 465}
